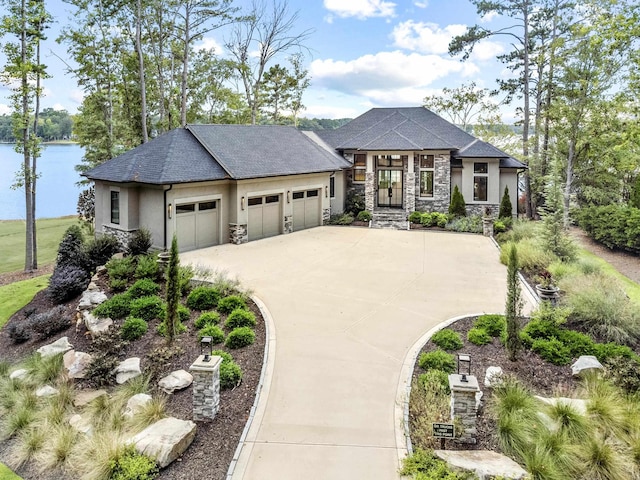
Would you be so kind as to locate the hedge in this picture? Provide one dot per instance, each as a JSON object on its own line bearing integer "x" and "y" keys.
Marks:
{"x": 615, "y": 226}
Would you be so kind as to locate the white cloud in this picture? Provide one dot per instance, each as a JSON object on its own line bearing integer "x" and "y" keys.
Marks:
{"x": 488, "y": 17}
{"x": 359, "y": 8}
{"x": 207, "y": 43}
{"x": 76, "y": 96}
{"x": 386, "y": 72}
{"x": 425, "y": 37}
{"x": 486, "y": 50}
{"x": 423, "y": 4}
{"x": 327, "y": 111}
{"x": 4, "y": 109}
{"x": 59, "y": 106}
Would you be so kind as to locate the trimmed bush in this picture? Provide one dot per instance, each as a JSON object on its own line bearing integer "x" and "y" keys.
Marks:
{"x": 121, "y": 268}
{"x": 577, "y": 343}
{"x": 118, "y": 306}
{"x": 435, "y": 377}
{"x": 457, "y": 207}
{"x": 212, "y": 331}
{"x": 203, "y": 298}
{"x": 538, "y": 329}
{"x": 478, "y": 336}
{"x": 552, "y": 350}
{"x": 415, "y": 217}
{"x": 185, "y": 274}
{"x": 20, "y": 332}
{"x": 133, "y": 466}
{"x": 240, "y": 318}
{"x": 147, "y": 308}
{"x": 437, "y": 360}
{"x": 133, "y": 328}
{"x": 471, "y": 224}
{"x": 230, "y": 374}
{"x": 118, "y": 284}
{"x": 615, "y": 226}
{"x": 240, "y": 337}
{"x": 607, "y": 351}
{"x": 493, "y": 324}
{"x": 71, "y": 251}
{"x": 364, "y": 216}
{"x": 143, "y": 288}
{"x": 147, "y": 267}
{"x": 67, "y": 282}
{"x": 624, "y": 373}
{"x": 207, "y": 318}
{"x": 140, "y": 242}
{"x": 447, "y": 339}
{"x": 101, "y": 249}
{"x": 50, "y": 322}
{"x": 184, "y": 314}
{"x": 499, "y": 227}
{"x": 228, "y": 304}
{"x": 506, "y": 208}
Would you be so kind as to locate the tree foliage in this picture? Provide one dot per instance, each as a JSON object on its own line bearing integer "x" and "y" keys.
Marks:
{"x": 513, "y": 309}
{"x": 173, "y": 292}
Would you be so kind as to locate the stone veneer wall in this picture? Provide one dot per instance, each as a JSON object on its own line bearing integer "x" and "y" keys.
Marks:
{"x": 122, "y": 236}
{"x": 463, "y": 406}
{"x": 479, "y": 209}
{"x": 288, "y": 224}
{"x": 206, "y": 388}
{"x": 326, "y": 215}
{"x": 441, "y": 186}
{"x": 410, "y": 192}
{"x": 238, "y": 233}
{"x": 369, "y": 191}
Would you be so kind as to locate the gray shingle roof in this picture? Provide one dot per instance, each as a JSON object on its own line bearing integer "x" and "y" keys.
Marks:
{"x": 254, "y": 151}
{"x": 173, "y": 157}
{"x": 479, "y": 149}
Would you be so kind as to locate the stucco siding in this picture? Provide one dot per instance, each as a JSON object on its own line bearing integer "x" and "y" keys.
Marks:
{"x": 152, "y": 214}
{"x": 340, "y": 184}
{"x": 493, "y": 182}
{"x": 509, "y": 178}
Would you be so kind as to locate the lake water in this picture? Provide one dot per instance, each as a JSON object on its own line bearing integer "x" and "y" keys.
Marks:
{"x": 56, "y": 189}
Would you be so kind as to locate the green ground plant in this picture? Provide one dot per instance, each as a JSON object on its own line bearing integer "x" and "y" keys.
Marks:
{"x": 240, "y": 318}
{"x": 16, "y": 295}
{"x": 213, "y": 331}
{"x": 207, "y": 318}
{"x": 240, "y": 337}
{"x": 228, "y": 304}
{"x": 424, "y": 465}
{"x": 437, "y": 360}
{"x": 447, "y": 339}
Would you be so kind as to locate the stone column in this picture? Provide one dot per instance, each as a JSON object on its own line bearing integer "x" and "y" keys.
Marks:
{"x": 410, "y": 192}
{"x": 206, "y": 388}
{"x": 369, "y": 191}
{"x": 463, "y": 406}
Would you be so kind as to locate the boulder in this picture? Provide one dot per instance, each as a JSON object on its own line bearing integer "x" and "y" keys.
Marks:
{"x": 82, "y": 424}
{"x": 91, "y": 298}
{"x": 175, "y": 381}
{"x": 19, "y": 374}
{"x": 135, "y": 404}
{"x": 87, "y": 396}
{"x": 128, "y": 369}
{"x": 76, "y": 363}
{"x": 61, "y": 345}
{"x": 165, "y": 440}
{"x": 94, "y": 324}
{"x": 46, "y": 391}
{"x": 585, "y": 363}
{"x": 479, "y": 396}
{"x": 484, "y": 463}
{"x": 492, "y": 376}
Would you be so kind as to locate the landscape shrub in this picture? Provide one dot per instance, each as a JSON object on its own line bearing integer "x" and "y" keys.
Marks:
{"x": 342, "y": 219}
{"x": 133, "y": 328}
{"x": 493, "y": 324}
{"x": 101, "y": 369}
{"x": 140, "y": 242}
{"x": 441, "y": 219}
{"x": 428, "y": 219}
{"x": 457, "y": 207}
{"x": 364, "y": 216}
{"x": 471, "y": 224}
{"x": 600, "y": 305}
{"x": 506, "y": 208}
{"x": 624, "y": 373}
{"x": 437, "y": 360}
{"x": 478, "y": 336}
{"x": 100, "y": 249}
{"x": 354, "y": 203}
{"x": 121, "y": 268}
{"x": 162, "y": 328}
{"x": 240, "y": 337}
{"x": 499, "y": 227}
{"x": 146, "y": 267}
{"x": 118, "y": 284}
{"x": 212, "y": 331}
{"x": 615, "y": 226}
{"x": 147, "y": 308}
{"x": 553, "y": 235}
{"x": 71, "y": 251}
{"x": 50, "y": 322}
{"x": 207, "y": 318}
{"x": 538, "y": 329}
{"x": 203, "y": 298}
{"x": 184, "y": 314}
{"x": 67, "y": 282}
{"x": 532, "y": 257}
{"x": 240, "y": 318}
{"x": 230, "y": 371}
{"x": 447, "y": 339}
{"x": 228, "y": 304}
{"x": 552, "y": 350}
{"x": 118, "y": 306}
{"x": 133, "y": 466}
{"x": 143, "y": 288}
{"x": 415, "y": 217}
{"x": 578, "y": 343}
{"x": 437, "y": 378}
{"x": 424, "y": 465}
{"x": 20, "y": 332}
{"x": 606, "y": 351}
{"x": 521, "y": 229}
{"x": 185, "y": 274}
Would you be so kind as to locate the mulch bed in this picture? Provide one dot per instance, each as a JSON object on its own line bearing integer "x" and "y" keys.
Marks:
{"x": 215, "y": 443}
{"x": 539, "y": 376}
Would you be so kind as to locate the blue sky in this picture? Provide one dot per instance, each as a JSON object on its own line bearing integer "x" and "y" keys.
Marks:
{"x": 363, "y": 54}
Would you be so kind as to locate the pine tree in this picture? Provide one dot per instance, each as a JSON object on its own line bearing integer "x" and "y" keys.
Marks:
{"x": 506, "y": 209}
{"x": 173, "y": 292}
{"x": 513, "y": 308}
{"x": 457, "y": 207}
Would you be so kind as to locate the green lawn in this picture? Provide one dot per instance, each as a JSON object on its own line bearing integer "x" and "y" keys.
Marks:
{"x": 6, "y": 474}
{"x": 12, "y": 238}
{"x": 631, "y": 287}
{"x": 16, "y": 295}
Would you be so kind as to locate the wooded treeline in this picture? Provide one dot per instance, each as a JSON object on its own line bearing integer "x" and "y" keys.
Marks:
{"x": 52, "y": 125}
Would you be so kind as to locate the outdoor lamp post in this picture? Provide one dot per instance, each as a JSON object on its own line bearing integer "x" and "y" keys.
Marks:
{"x": 464, "y": 366}
{"x": 206, "y": 348}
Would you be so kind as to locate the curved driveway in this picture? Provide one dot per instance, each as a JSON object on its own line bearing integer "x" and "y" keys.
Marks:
{"x": 347, "y": 304}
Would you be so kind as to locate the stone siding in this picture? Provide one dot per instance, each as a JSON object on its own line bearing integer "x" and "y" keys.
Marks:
{"x": 206, "y": 388}
{"x": 288, "y": 224}
{"x": 463, "y": 406}
{"x": 480, "y": 209}
{"x": 326, "y": 215}
{"x": 410, "y": 192}
{"x": 441, "y": 186}
{"x": 369, "y": 191}
{"x": 122, "y": 236}
{"x": 238, "y": 233}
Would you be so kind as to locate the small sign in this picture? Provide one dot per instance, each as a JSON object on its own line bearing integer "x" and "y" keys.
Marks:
{"x": 443, "y": 430}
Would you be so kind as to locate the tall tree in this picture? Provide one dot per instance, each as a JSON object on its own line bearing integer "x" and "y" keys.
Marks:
{"x": 513, "y": 308}
{"x": 254, "y": 42}
{"x": 25, "y": 20}
{"x": 302, "y": 81}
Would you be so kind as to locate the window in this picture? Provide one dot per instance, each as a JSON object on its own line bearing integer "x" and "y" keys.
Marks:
{"x": 332, "y": 187}
{"x": 390, "y": 160}
{"x": 272, "y": 199}
{"x": 480, "y": 181}
{"x": 255, "y": 201}
{"x": 115, "y": 207}
{"x": 359, "y": 167}
{"x": 298, "y": 195}
{"x": 312, "y": 193}
{"x": 427, "y": 173}
{"x": 185, "y": 208}
{"x": 206, "y": 206}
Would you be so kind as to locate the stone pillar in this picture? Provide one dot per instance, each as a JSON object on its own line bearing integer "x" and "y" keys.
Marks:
{"x": 238, "y": 233}
{"x": 487, "y": 226}
{"x": 206, "y": 388}
{"x": 288, "y": 224}
{"x": 369, "y": 191}
{"x": 410, "y": 192}
{"x": 463, "y": 406}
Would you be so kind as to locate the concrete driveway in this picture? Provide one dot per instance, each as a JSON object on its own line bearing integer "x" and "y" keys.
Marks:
{"x": 348, "y": 304}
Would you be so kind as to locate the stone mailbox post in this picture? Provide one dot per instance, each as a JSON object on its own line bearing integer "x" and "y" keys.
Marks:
{"x": 206, "y": 388}
{"x": 463, "y": 405}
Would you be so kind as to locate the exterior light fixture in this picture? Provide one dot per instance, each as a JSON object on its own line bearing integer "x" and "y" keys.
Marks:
{"x": 242, "y": 203}
{"x": 464, "y": 366}
{"x": 288, "y": 196}
{"x": 206, "y": 348}
{"x": 169, "y": 210}
{"x": 326, "y": 191}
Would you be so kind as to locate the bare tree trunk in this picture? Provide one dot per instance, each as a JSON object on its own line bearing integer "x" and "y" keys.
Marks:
{"x": 526, "y": 113}
{"x": 35, "y": 153}
{"x": 143, "y": 86}
{"x": 185, "y": 70}
{"x": 569, "y": 180}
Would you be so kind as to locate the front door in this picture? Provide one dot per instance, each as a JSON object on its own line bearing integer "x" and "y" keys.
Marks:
{"x": 390, "y": 188}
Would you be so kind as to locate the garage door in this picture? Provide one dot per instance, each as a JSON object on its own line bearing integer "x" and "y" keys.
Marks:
{"x": 264, "y": 217}
{"x": 306, "y": 209}
{"x": 197, "y": 225}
